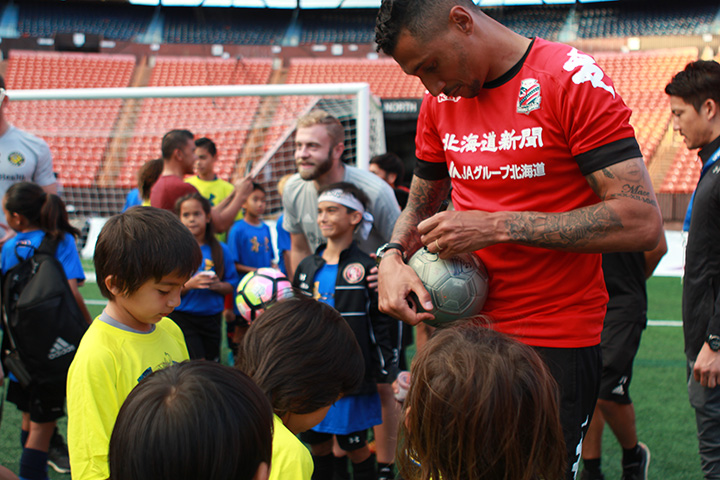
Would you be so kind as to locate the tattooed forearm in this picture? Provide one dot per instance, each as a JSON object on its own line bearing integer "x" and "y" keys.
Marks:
{"x": 563, "y": 230}
{"x": 425, "y": 197}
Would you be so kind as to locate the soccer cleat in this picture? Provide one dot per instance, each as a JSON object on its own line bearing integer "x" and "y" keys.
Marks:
{"x": 58, "y": 457}
{"x": 638, "y": 470}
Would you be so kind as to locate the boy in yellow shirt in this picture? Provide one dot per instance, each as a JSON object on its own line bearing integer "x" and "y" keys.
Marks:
{"x": 142, "y": 259}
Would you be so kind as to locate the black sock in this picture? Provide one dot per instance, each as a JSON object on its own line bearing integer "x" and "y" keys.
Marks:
{"x": 385, "y": 471}
{"x": 631, "y": 455}
{"x": 340, "y": 468}
{"x": 24, "y": 434}
{"x": 365, "y": 470}
{"x": 592, "y": 465}
{"x": 323, "y": 467}
{"x": 33, "y": 464}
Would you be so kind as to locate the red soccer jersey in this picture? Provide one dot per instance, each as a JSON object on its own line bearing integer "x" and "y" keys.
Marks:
{"x": 525, "y": 145}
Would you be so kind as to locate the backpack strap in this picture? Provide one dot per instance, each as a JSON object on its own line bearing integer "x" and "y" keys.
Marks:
{"x": 48, "y": 246}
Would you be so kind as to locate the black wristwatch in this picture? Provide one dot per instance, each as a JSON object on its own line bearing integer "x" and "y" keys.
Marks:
{"x": 714, "y": 342}
{"x": 387, "y": 247}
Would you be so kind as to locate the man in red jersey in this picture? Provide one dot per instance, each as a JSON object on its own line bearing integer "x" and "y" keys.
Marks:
{"x": 546, "y": 173}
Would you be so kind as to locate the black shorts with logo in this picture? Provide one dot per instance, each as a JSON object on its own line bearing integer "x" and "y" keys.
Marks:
{"x": 44, "y": 402}
{"x": 620, "y": 343}
{"x": 577, "y": 372}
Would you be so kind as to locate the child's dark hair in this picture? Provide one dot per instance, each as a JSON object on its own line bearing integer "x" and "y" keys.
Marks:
{"x": 207, "y": 144}
{"x": 216, "y": 251}
{"x": 148, "y": 175}
{"x": 43, "y": 210}
{"x": 144, "y": 243}
{"x": 303, "y": 355}
{"x": 192, "y": 420}
{"x": 258, "y": 187}
{"x": 347, "y": 188}
{"x": 480, "y": 405}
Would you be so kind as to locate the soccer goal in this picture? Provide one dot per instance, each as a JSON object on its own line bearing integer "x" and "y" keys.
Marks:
{"x": 100, "y": 137}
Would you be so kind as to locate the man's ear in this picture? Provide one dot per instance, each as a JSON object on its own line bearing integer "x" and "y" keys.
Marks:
{"x": 338, "y": 150}
{"x": 462, "y": 19}
{"x": 712, "y": 108}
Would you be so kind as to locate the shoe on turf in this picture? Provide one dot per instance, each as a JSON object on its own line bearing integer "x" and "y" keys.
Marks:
{"x": 638, "y": 470}
{"x": 58, "y": 457}
{"x": 586, "y": 475}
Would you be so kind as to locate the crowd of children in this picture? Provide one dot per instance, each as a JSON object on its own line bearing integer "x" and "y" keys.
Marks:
{"x": 142, "y": 403}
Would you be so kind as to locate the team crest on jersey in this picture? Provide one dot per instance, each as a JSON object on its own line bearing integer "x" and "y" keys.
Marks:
{"x": 16, "y": 159}
{"x": 354, "y": 273}
{"x": 529, "y": 96}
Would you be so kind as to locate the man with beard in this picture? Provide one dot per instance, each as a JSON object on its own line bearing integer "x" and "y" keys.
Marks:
{"x": 319, "y": 145}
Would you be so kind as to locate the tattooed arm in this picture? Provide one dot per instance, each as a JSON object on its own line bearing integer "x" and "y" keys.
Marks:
{"x": 626, "y": 219}
{"x": 395, "y": 279}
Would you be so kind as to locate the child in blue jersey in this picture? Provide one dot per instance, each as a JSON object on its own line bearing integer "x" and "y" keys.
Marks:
{"x": 34, "y": 214}
{"x": 203, "y": 296}
{"x": 337, "y": 275}
{"x": 249, "y": 239}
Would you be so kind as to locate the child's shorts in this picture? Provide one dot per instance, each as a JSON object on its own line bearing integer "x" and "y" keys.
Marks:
{"x": 45, "y": 402}
{"x": 350, "y": 442}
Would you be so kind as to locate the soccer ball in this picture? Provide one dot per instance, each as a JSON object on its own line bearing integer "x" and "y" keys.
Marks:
{"x": 458, "y": 286}
{"x": 258, "y": 290}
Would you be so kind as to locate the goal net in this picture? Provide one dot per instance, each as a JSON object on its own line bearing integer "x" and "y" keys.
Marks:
{"x": 100, "y": 137}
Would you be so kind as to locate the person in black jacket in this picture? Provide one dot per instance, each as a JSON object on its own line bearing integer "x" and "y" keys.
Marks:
{"x": 695, "y": 104}
{"x": 337, "y": 275}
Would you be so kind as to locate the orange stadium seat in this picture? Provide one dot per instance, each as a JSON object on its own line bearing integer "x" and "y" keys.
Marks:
{"x": 77, "y": 131}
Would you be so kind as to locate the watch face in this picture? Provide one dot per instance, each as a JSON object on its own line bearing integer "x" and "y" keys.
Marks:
{"x": 714, "y": 342}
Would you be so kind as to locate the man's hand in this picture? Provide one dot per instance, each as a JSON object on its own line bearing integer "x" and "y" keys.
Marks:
{"x": 450, "y": 233}
{"x": 396, "y": 281}
{"x": 243, "y": 187}
{"x": 707, "y": 367}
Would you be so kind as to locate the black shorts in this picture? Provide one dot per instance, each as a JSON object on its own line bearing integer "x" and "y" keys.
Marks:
{"x": 350, "y": 442}
{"x": 577, "y": 372}
{"x": 44, "y": 402}
{"x": 620, "y": 343}
{"x": 202, "y": 334}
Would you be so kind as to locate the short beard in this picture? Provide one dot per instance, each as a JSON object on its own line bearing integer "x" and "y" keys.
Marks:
{"x": 319, "y": 170}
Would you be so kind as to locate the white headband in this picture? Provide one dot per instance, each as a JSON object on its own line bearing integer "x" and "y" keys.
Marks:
{"x": 348, "y": 200}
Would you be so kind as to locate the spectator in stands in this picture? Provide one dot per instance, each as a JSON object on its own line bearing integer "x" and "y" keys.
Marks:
{"x": 23, "y": 156}
{"x": 500, "y": 103}
{"x": 390, "y": 168}
{"x": 206, "y": 179}
{"x": 147, "y": 175}
{"x": 178, "y": 153}
{"x": 319, "y": 146}
{"x": 695, "y": 104}
{"x": 625, "y": 274}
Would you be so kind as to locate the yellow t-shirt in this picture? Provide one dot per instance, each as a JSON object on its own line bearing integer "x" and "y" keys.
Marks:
{"x": 291, "y": 460}
{"x": 108, "y": 364}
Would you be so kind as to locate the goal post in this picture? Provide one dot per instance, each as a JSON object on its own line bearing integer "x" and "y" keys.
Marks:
{"x": 99, "y": 137}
